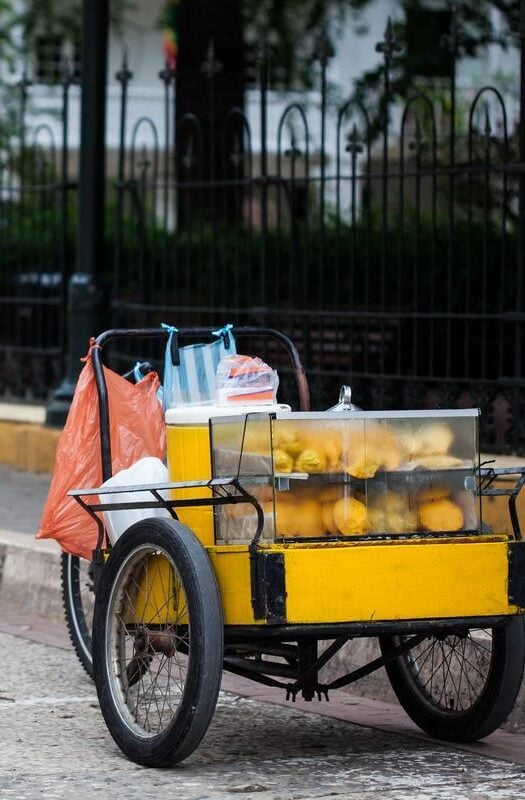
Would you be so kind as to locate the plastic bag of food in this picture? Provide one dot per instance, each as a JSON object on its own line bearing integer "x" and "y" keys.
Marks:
{"x": 245, "y": 379}
{"x": 137, "y": 430}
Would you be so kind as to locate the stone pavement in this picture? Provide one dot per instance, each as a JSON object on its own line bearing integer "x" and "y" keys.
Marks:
{"x": 55, "y": 745}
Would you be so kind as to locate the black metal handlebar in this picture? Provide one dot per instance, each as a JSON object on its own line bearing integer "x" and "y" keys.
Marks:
{"x": 128, "y": 333}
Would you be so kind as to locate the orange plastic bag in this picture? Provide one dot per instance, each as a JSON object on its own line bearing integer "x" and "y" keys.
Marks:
{"x": 137, "y": 430}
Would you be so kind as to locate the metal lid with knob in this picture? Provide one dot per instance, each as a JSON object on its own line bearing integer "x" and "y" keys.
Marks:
{"x": 345, "y": 401}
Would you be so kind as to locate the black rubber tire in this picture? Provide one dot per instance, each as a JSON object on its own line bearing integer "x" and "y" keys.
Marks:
{"x": 490, "y": 707}
{"x": 78, "y": 600}
{"x": 199, "y": 645}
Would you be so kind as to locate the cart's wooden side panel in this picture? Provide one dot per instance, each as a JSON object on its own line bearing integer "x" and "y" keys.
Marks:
{"x": 367, "y": 582}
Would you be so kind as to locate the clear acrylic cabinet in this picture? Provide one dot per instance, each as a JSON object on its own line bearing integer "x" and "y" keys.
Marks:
{"x": 349, "y": 475}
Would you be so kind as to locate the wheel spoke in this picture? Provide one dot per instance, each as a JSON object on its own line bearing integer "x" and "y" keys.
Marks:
{"x": 449, "y": 672}
{"x": 155, "y": 687}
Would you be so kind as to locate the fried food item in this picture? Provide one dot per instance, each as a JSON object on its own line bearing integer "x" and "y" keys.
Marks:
{"x": 442, "y": 515}
{"x": 288, "y": 438}
{"x": 434, "y": 439}
{"x": 308, "y": 519}
{"x": 371, "y": 448}
{"x": 432, "y": 493}
{"x": 363, "y": 464}
{"x": 333, "y": 447}
{"x": 350, "y": 516}
{"x": 285, "y": 497}
{"x": 439, "y": 462}
{"x": 329, "y": 494}
{"x": 285, "y": 514}
{"x": 385, "y": 520}
{"x": 283, "y": 462}
{"x": 391, "y": 513}
{"x": 311, "y": 461}
{"x": 327, "y": 511}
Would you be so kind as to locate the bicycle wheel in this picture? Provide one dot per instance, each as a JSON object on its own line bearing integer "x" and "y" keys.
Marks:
{"x": 157, "y": 642}
{"x": 459, "y": 685}
{"x": 78, "y": 599}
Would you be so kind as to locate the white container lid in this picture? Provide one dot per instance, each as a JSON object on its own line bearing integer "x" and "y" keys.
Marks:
{"x": 201, "y": 415}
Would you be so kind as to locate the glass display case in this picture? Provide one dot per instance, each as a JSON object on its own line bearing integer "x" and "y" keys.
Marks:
{"x": 350, "y": 474}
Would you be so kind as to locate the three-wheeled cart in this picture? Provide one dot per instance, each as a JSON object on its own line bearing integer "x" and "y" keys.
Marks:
{"x": 289, "y": 535}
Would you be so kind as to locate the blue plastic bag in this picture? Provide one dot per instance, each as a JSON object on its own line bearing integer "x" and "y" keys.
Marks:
{"x": 189, "y": 371}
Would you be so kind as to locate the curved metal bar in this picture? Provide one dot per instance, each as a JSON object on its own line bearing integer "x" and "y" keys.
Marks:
{"x": 499, "y": 97}
{"x": 419, "y": 96}
{"x": 144, "y": 122}
{"x": 290, "y": 108}
{"x": 192, "y": 122}
{"x": 237, "y": 114}
{"x": 47, "y": 128}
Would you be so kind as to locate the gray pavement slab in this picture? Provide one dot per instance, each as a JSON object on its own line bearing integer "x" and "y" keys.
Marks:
{"x": 55, "y": 745}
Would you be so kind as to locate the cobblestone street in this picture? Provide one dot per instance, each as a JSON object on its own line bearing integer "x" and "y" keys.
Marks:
{"x": 55, "y": 745}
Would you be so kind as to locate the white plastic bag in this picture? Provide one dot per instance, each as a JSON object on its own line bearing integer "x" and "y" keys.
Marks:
{"x": 145, "y": 470}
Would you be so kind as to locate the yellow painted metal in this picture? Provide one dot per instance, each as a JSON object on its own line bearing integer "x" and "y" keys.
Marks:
{"x": 363, "y": 582}
{"x": 351, "y": 582}
{"x": 188, "y": 449}
{"x": 159, "y": 598}
{"x": 231, "y": 565}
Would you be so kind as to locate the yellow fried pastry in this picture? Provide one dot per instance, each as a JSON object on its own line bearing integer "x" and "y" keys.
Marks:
{"x": 332, "y": 448}
{"x": 327, "y": 511}
{"x": 443, "y": 515}
{"x": 407, "y": 442}
{"x": 439, "y": 462}
{"x": 283, "y": 462}
{"x": 363, "y": 465}
{"x": 288, "y": 439}
{"x": 310, "y": 461}
{"x": 433, "y": 439}
{"x": 308, "y": 520}
{"x": 391, "y": 513}
{"x": 391, "y": 520}
{"x": 285, "y": 497}
{"x": 284, "y": 518}
{"x": 350, "y": 516}
{"x": 432, "y": 493}
{"x": 330, "y": 494}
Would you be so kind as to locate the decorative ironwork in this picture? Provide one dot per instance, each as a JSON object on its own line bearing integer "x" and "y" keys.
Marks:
{"x": 393, "y": 257}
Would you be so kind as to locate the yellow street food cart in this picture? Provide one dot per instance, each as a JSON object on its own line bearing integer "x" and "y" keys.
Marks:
{"x": 289, "y": 534}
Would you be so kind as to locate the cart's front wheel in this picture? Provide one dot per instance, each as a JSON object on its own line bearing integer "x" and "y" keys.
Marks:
{"x": 459, "y": 685}
{"x": 157, "y": 642}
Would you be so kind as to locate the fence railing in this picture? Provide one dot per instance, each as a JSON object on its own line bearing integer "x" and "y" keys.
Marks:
{"x": 392, "y": 254}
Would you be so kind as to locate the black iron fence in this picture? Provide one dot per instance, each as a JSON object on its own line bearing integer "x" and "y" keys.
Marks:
{"x": 392, "y": 254}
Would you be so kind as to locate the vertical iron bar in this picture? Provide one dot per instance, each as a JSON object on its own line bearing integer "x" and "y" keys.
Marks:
{"x": 451, "y": 191}
{"x": 518, "y": 326}
{"x": 123, "y": 77}
{"x": 263, "y": 78}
